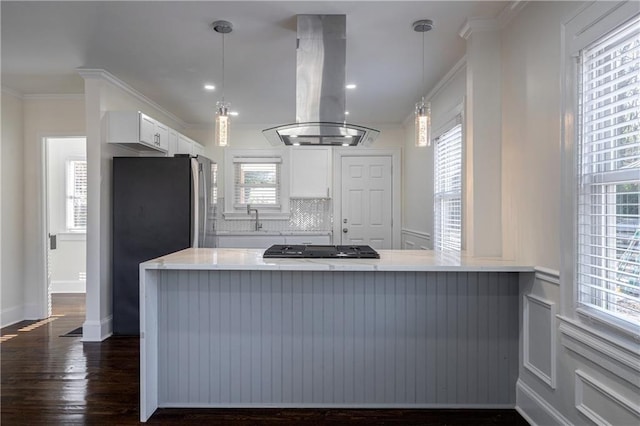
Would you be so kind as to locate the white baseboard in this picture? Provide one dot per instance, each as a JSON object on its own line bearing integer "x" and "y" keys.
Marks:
{"x": 10, "y": 316}
{"x": 68, "y": 286}
{"x": 97, "y": 331}
{"x": 535, "y": 409}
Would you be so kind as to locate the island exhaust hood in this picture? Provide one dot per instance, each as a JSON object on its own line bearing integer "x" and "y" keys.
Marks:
{"x": 320, "y": 88}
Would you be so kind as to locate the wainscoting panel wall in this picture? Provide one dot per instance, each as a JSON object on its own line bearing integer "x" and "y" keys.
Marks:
{"x": 276, "y": 338}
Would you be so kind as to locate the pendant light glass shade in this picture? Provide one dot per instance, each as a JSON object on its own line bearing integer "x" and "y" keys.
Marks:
{"x": 423, "y": 110}
{"x": 423, "y": 124}
{"x": 222, "y": 123}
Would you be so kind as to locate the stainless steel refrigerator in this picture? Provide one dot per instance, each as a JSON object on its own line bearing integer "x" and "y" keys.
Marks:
{"x": 160, "y": 205}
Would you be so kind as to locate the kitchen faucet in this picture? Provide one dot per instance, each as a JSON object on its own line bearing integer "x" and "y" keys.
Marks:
{"x": 249, "y": 210}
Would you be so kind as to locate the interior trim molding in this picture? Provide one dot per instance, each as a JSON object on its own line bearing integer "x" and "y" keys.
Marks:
{"x": 12, "y": 92}
{"x": 54, "y": 97}
{"x": 553, "y": 416}
{"x": 101, "y": 74}
{"x": 12, "y": 315}
{"x": 582, "y": 380}
{"x": 97, "y": 331}
{"x": 510, "y": 11}
{"x": 547, "y": 275}
{"x": 418, "y": 234}
{"x": 549, "y": 378}
{"x": 615, "y": 357}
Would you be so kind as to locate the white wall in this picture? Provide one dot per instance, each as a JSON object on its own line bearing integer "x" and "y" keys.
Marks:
{"x": 417, "y": 208}
{"x": 572, "y": 371}
{"x": 67, "y": 263}
{"x": 531, "y": 133}
{"x": 12, "y": 207}
{"x": 44, "y": 117}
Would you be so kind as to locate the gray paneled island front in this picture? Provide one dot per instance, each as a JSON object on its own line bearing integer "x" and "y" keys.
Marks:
{"x": 227, "y": 328}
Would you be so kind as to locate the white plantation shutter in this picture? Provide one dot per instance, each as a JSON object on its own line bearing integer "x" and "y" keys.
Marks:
{"x": 77, "y": 195}
{"x": 448, "y": 190}
{"x": 608, "y": 264}
{"x": 257, "y": 182}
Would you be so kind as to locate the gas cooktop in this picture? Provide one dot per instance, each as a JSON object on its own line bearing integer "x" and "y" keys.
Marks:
{"x": 324, "y": 252}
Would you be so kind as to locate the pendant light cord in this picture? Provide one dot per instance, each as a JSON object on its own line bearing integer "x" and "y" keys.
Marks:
{"x": 423, "y": 85}
{"x": 223, "y": 67}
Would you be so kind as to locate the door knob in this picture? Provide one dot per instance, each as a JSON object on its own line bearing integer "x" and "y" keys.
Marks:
{"x": 345, "y": 230}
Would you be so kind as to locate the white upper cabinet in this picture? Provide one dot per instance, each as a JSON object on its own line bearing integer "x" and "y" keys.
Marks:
{"x": 197, "y": 149}
{"x": 173, "y": 142}
{"x": 137, "y": 131}
{"x": 311, "y": 172}
{"x": 189, "y": 146}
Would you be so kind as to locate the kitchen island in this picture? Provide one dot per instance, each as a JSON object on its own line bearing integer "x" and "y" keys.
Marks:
{"x": 227, "y": 328}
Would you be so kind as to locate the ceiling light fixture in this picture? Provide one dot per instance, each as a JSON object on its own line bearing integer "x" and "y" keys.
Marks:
{"x": 209, "y": 87}
{"x": 222, "y": 107}
{"x": 423, "y": 110}
{"x": 351, "y": 86}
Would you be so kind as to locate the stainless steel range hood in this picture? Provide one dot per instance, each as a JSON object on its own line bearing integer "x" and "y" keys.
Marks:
{"x": 320, "y": 88}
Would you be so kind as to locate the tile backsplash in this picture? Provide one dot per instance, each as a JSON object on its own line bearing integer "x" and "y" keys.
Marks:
{"x": 307, "y": 214}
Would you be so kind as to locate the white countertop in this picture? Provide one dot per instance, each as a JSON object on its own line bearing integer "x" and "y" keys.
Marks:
{"x": 390, "y": 260}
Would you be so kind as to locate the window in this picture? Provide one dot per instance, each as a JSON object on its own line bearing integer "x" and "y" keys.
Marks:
{"x": 77, "y": 195}
{"x": 608, "y": 227}
{"x": 448, "y": 189}
{"x": 257, "y": 182}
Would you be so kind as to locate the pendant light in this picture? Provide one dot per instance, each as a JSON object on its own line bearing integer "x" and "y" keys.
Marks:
{"x": 423, "y": 110}
{"x": 222, "y": 107}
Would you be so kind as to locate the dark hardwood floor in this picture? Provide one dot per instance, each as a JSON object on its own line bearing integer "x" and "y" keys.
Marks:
{"x": 52, "y": 380}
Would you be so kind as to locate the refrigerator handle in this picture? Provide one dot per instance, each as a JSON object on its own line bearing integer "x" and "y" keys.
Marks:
{"x": 205, "y": 208}
{"x": 195, "y": 176}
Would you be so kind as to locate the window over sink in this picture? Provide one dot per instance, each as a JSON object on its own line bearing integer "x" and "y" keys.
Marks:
{"x": 258, "y": 178}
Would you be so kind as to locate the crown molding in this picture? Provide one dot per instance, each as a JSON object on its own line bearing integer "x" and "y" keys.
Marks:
{"x": 54, "y": 96}
{"x": 11, "y": 92}
{"x": 100, "y": 74}
{"x": 441, "y": 84}
{"x": 472, "y": 25}
{"x": 505, "y": 16}
{"x": 510, "y": 11}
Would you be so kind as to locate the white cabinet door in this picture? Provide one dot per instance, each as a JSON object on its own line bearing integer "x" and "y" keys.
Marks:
{"x": 310, "y": 172}
{"x": 197, "y": 149}
{"x": 147, "y": 130}
{"x": 184, "y": 145}
{"x": 249, "y": 241}
{"x": 162, "y": 134}
{"x": 173, "y": 143}
{"x": 308, "y": 239}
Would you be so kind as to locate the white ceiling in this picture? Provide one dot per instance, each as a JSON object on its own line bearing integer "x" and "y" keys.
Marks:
{"x": 167, "y": 51}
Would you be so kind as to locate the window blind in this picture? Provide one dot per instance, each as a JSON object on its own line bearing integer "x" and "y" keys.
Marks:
{"x": 257, "y": 182}
{"x": 608, "y": 246}
{"x": 77, "y": 195}
{"x": 448, "y": 190}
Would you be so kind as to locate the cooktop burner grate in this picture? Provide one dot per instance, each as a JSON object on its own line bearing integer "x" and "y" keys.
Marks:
{"x": 322, "y": 252}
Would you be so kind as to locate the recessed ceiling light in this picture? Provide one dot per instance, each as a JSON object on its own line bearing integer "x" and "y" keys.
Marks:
{"x": 209, "y": 87}
{"x": 296, "y": 144}
{"x": 348, "y": 136}
{"x": 351, "y": 86}
{"x": 345, "y": 144}
{"x": 346, "y": 113}
{"x": 234, "y": 113}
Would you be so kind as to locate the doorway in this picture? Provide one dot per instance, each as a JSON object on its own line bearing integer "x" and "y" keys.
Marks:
{"x": 66, "y": 221}
{"x": 367, "y": 198}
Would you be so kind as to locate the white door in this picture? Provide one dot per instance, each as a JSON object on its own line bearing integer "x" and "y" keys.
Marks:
{"x": 367, "y": 201}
